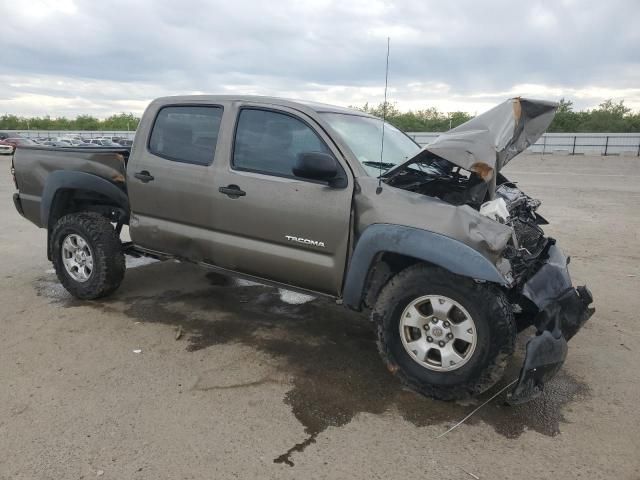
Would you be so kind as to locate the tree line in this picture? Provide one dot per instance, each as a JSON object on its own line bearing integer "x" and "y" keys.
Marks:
{"x": 120, "y": 121}
{"x": 608, "y": 117}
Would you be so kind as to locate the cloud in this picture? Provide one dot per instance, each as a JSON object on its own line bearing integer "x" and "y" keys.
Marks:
{"x": 64, "y": 57}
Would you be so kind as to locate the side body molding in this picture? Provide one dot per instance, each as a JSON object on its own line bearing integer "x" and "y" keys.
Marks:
{"x": 431, "y": 247}
{"x": 65, "y": 179}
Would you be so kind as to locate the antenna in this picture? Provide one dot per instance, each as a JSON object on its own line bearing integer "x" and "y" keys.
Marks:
{"x": 384, "y": 117}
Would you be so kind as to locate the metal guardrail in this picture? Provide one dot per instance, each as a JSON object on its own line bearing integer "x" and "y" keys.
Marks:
{"x": 569, "y": 143}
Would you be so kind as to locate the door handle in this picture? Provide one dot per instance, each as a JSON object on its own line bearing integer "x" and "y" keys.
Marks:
{"x": 144, "y": 176}
{"x": 232, "y": 191}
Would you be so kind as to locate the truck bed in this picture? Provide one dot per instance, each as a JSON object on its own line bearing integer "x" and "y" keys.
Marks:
{"x": 34, "y": 164}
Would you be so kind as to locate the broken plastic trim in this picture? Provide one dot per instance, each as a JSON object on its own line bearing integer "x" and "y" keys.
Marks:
{"x": 559, "y": 320}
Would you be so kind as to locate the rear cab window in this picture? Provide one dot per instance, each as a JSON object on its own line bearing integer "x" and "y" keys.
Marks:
{"x": 187, "y": 134}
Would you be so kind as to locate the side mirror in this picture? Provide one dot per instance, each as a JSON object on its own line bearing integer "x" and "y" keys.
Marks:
{"x": 318, "y": 166}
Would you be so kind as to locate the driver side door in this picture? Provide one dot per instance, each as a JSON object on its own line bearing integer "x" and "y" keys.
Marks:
{"x": 270, "y": 223}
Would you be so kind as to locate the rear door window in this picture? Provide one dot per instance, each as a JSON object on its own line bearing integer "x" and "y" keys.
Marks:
{"x": 269, "y": 142}
{"x": 186, "y": 133}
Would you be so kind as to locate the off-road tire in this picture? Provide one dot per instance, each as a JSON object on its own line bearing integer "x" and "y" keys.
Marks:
{"x": 491, "y": 313}
{"x": 109, "y": 264}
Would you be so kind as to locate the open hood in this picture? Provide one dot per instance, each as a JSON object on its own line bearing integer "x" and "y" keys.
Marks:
{"x": 488, "y": 142}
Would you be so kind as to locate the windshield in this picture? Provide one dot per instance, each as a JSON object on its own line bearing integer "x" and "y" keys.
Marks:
{"x": 363, "y": 135}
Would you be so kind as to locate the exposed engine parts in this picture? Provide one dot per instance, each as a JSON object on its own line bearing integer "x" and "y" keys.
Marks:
{"x": 529, "y": 243}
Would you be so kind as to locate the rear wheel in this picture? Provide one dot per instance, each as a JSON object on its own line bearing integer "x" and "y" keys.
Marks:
{"x": 444, "y": 336}
{"x": 87, "y": 255}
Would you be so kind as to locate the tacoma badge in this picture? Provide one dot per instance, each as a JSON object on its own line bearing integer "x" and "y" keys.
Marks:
{"x": 305, "y": 241}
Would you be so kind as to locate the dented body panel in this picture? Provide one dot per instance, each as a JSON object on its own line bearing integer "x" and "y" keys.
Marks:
{"x": 460, "y": 223}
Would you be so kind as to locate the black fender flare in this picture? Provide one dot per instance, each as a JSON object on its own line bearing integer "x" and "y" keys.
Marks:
{"x": 72, "y": 180}
{"x": 431, "y": 247}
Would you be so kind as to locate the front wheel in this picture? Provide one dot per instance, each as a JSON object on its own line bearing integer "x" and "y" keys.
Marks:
{"x": 87, "y": 255}
{"x": 444, "y": 336}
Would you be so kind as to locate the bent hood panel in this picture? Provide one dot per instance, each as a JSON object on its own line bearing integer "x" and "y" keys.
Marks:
{"x": 488, "y": 142}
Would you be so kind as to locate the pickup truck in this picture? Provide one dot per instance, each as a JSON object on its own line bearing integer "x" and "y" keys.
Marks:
{"x": 444, "y": 253}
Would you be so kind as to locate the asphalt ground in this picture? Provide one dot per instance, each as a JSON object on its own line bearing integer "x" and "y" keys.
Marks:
{"x": 238, "y": 380}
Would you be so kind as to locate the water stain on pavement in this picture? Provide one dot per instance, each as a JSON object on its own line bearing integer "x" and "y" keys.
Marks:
{"x": 328, "y": 355}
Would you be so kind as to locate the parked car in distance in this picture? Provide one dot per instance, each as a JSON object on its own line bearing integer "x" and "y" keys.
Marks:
{"x": 4, "y": 135}
{"x": 8, "y": 145}
{"x": 125, "y": 142}
{"x": 73, "y": 141}
{"x": 68, "y": 141}
{"x": 6, "y": 148}
{"x": 103, "y": 142}
{"x": 56, "y": 143}
{"x": 115, "y": 139}
{"x": 20, "y": 141}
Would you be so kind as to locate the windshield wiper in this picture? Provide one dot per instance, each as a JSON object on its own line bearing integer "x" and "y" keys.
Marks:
{"x": 385, "y": 165}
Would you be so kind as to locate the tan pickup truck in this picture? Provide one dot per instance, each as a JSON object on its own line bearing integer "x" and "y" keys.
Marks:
{"x": 445, "y": 254}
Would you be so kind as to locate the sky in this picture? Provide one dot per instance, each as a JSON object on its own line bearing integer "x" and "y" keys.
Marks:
{"x": 99, "y": 57}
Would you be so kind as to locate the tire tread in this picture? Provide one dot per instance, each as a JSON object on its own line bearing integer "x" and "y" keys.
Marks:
{"x": 501, "y": 345}
{"x": 109, "y": 262}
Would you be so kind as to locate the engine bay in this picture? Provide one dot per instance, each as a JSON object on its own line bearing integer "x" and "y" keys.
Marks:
{"x": 437, "y": 177}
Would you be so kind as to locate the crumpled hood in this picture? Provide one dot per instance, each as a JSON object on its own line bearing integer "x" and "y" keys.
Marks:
{"x": 488, "y": 142}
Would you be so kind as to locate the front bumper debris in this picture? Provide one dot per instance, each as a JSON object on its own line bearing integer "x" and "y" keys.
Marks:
{"x": 563, "y": 310}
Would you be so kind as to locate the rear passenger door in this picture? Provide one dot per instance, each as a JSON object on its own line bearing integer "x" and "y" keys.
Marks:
{"x": 170, "y": 179}
{"x": 269, "y": 222}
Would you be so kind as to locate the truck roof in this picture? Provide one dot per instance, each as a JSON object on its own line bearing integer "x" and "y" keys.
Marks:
{"x": 285, "y": 102}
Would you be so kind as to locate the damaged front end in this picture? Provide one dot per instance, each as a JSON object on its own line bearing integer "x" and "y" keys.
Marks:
{"x": 561, "y": 310}
{"x": 462, "y": 168}
{"x": 541, "y": 291}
